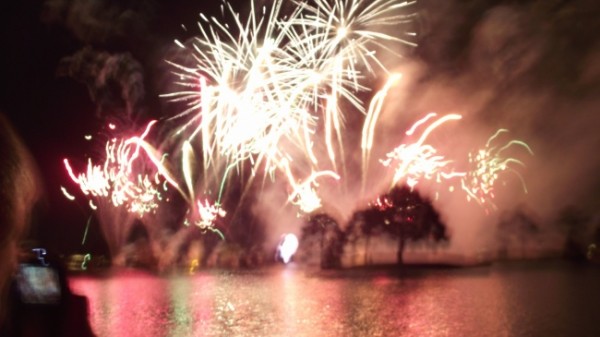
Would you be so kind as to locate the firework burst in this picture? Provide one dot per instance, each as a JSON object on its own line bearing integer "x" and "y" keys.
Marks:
{"x": 418, "y": 160}
{"x": 261, "y": 93}
{"x": 273, "y": 82}
{"x": 490, "y": 163}
{"x": 124, "y": 178}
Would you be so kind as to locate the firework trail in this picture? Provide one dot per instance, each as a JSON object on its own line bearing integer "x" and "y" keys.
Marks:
{"x": 368, "y": 132}
{"x": 304, "y": 194}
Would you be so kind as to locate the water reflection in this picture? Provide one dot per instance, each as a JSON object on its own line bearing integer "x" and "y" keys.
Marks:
{"x": 288, "y": 301}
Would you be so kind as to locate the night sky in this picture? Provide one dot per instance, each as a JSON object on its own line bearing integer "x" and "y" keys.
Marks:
{"x": 538, "y": 59}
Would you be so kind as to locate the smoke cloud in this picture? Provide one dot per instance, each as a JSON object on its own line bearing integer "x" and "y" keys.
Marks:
{"x": 530, "y": 67}
{"x": 101, "y": 22}
{"x": 115, "y": 81}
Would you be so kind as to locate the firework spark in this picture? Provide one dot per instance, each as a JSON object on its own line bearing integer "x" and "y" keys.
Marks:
{"x": 205, "y": 215}
{"x": 119, "y": 177}
{"x": 304, "y": 194}
{"x": 418, "y": 160}
{"x": 490, "y": 162}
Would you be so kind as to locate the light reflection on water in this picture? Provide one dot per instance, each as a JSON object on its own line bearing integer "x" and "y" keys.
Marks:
{"x": 517, "y": 299}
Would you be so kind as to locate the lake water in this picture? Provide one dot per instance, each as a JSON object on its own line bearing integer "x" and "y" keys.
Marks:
{"x": 542, "y": 298}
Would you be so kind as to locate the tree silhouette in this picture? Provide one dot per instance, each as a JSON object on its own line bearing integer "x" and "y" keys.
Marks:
{"x": 517, "y": 229}
{"x": 405, "y": 215}
{"x": 364, "y": 224}
{"x": 330, "y": 237}
{"x": 574, "y": 221}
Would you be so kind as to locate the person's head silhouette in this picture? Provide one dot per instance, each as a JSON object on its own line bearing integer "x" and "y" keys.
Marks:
{"x": 19, "y": 190}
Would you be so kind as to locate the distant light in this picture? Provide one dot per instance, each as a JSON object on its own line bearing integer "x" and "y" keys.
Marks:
{"x": 86, "y": 258}
{"x": 40, "y": 254}
{"x": 112, "y": 126}
{"x": 288, "y": 247}
{"x": 88, "y": 137}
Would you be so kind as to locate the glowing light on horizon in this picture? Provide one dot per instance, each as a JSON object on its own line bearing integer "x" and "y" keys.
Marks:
{"x": 288, "y": 247}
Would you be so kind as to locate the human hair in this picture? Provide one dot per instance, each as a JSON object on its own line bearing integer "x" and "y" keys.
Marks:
{"x": 19, "y": 190}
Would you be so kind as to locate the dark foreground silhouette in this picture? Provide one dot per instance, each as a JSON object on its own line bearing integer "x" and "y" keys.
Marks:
{"x": 40, "y": 305}
{"x": 35, "y": 299}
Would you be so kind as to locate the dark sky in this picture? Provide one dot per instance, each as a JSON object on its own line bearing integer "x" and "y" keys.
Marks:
{"x": 520, "y": 49}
